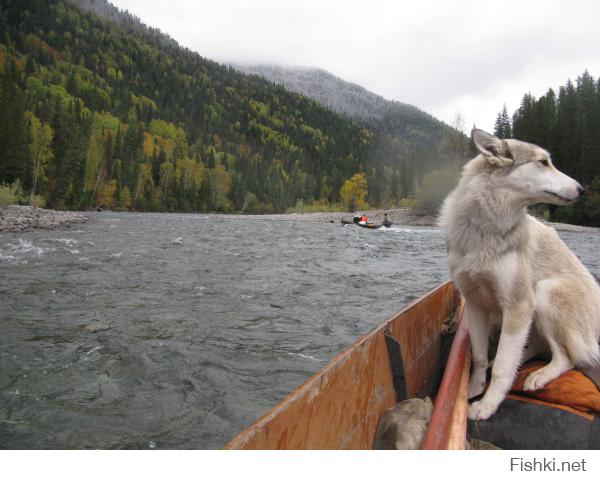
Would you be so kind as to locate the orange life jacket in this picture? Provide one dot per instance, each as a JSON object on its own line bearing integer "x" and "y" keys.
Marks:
{"x": 572, "y": 389}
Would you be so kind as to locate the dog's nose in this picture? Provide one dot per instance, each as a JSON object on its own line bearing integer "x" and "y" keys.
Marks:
{"x": 580, "y": 190}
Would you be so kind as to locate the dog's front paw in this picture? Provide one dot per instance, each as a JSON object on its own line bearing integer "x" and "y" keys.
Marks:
{"x": 482, "y": 410}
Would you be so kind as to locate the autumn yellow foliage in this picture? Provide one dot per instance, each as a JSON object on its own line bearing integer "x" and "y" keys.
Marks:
{"x": 354, "y": 193}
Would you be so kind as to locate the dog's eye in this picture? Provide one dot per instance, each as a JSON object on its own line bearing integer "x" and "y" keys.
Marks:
{"x": 545, "y": 163}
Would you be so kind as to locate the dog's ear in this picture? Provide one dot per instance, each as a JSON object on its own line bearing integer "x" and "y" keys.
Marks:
{"x": 496, "y": 151}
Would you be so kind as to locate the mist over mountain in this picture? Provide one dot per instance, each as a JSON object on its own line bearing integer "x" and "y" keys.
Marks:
{"x": 408, "y": 142}
{"x": 341, "y": 96}
{"x": 105, "y": 9}
{"x": 404, "y": 127}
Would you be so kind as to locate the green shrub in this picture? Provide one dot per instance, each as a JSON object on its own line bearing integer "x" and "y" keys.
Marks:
{"x": 38, "y": 201}
{"x": 11, "y": 194}
{"x": 539, "y": 211}
{"x": 318, "y": 206}
{"x": 261, "y": 208}
{"x": 591, "y": 203}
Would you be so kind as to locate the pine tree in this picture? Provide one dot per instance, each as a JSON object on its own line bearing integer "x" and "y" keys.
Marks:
{"x": 524, "y": 127}
{"x": 14, "y": 130}
{"x": 502, "y": 127}
{"x": 589, "y": 128}
{"x": 568, "y": 128}
{"x": 568, "y": 125}
{"x": 546, "y": 120}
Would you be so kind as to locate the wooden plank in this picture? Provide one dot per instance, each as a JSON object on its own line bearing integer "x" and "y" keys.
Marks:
{"x": 457, "y": 432}
{"x": 450, "y": 397}
{"x": 419, "y": 336}
{"x": 339, "y": 407}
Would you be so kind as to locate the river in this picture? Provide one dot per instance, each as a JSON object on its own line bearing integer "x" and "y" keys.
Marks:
{"x": 177, "y": 331}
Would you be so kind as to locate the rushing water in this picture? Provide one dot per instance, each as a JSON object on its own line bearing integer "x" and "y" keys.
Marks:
{"x": 177, "y": 331}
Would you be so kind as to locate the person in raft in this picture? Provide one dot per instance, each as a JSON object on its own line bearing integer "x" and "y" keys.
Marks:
{"x": 360, "y": 218}
{"x": 386, "y": 221}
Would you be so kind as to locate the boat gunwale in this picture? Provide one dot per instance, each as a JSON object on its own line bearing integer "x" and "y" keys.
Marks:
{"x": 447, "y": 429}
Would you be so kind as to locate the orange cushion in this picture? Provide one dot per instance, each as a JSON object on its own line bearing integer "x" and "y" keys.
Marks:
{"x": 572, "y": 389}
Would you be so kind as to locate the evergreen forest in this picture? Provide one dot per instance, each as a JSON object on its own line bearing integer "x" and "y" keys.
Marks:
{"x": 567, "y": 124}
{"x": 99, "y": 113}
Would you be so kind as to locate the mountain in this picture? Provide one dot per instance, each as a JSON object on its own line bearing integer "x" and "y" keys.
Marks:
{"x": 97, "y": 109}
{"x": 105, "y": 9}
{"x": 401, "y": 130}
{"x": 343, "y": 97}
{"x": 352, "y": 100}
{"x": 96, "y": 112}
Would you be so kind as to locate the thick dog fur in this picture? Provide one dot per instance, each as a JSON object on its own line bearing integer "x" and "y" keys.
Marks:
{"x": 515, "y": 273}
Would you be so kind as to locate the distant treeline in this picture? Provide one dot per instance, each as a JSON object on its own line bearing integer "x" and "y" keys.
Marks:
{"x": 568, "y": 126}
{"x": 96, "y": 113}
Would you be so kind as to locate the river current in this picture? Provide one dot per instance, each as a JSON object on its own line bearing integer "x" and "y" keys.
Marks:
{"x": 177, "y": 331}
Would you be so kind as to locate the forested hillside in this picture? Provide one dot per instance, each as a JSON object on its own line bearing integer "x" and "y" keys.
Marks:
{"x": 340, "y": 96}
{"x": 408, "y": 142}
{"x": 102, "y": 113}
{"x": 567, "y": 124}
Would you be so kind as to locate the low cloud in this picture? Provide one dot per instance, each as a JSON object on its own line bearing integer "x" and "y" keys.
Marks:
{"x": 464, "y": 55}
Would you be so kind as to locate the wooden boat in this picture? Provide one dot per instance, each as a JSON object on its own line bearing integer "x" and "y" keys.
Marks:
{"x": 369, "y": 225}
{"x": 339, "y": 407}
{"x": 364, "y": 225}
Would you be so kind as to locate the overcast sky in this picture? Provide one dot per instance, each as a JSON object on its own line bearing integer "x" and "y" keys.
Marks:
{"x": 442, "y": 56}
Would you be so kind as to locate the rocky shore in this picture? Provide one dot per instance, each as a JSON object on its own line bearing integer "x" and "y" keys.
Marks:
{"x": 16, "y": 218}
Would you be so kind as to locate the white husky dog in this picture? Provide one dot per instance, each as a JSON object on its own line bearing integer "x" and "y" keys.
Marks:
{"x": 516, "y": 273}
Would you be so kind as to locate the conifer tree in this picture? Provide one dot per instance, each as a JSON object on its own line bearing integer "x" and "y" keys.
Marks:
{"x": 14, "y": 129}
{"x": 502, "y": 127}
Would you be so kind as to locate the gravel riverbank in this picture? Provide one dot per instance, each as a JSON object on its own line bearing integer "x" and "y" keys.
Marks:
{"x": 17, "y": 218}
